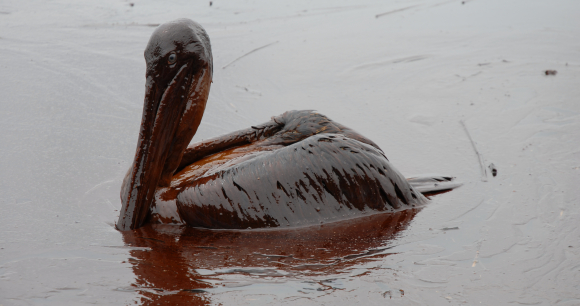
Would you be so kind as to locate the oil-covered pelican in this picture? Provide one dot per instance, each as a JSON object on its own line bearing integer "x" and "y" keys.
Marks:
{"x": 300, "y": 168}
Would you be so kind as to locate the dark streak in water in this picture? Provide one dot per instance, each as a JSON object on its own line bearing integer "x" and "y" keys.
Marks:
{"x": 395, "y": 11}
{"x": 479, "y": 156}
{"x": 450, "y": 228}
{"x": 152, "y": 239}
{"x": 246, "y": 54}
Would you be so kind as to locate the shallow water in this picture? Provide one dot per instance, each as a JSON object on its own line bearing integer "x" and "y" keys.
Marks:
{"x": 404, "y": 74}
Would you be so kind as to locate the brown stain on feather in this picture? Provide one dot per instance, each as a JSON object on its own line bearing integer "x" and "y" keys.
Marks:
{"x": 302, "y": 169}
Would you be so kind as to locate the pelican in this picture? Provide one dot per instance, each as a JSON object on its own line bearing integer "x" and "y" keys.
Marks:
{"x": 300, "y": 168}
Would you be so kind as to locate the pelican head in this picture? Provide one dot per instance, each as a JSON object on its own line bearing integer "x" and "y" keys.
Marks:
{"x": 178, "y": 79}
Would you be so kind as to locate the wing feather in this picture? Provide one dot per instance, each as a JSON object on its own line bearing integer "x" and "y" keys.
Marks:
{"x": 323, "y": 178}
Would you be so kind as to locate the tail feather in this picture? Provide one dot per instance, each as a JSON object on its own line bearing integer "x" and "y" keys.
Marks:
{"x": 433, "y": 184}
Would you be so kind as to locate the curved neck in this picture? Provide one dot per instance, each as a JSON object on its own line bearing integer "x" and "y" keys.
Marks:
{"x": 167, "y": 128}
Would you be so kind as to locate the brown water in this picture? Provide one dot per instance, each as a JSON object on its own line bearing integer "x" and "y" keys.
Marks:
{"x": 178, "y": 264}
{"x": 404, "y": 74}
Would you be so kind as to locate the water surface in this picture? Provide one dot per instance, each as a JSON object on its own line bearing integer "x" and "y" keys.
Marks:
{"x": 404, "y": 74}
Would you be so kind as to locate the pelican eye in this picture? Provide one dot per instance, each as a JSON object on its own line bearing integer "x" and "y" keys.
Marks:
{"x": 172, "y": 59}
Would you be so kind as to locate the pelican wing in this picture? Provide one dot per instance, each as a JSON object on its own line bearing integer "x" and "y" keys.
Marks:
{"x": 322, "y": 178}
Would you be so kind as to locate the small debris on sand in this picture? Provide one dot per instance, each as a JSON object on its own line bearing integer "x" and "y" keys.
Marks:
{"x": 551, "y": 72}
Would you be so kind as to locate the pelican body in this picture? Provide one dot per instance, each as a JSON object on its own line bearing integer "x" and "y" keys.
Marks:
{"x": 300, "y": 168}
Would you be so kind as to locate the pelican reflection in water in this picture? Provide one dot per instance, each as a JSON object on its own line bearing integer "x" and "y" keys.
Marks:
{"x": 179, "y": 265}
{"x": 300, "y": 168}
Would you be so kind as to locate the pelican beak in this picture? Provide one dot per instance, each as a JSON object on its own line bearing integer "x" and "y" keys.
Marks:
{"x": 171, "y": 115}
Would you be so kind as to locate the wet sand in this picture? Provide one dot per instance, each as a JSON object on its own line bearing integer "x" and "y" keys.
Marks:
{"x": 404, "y": 74}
